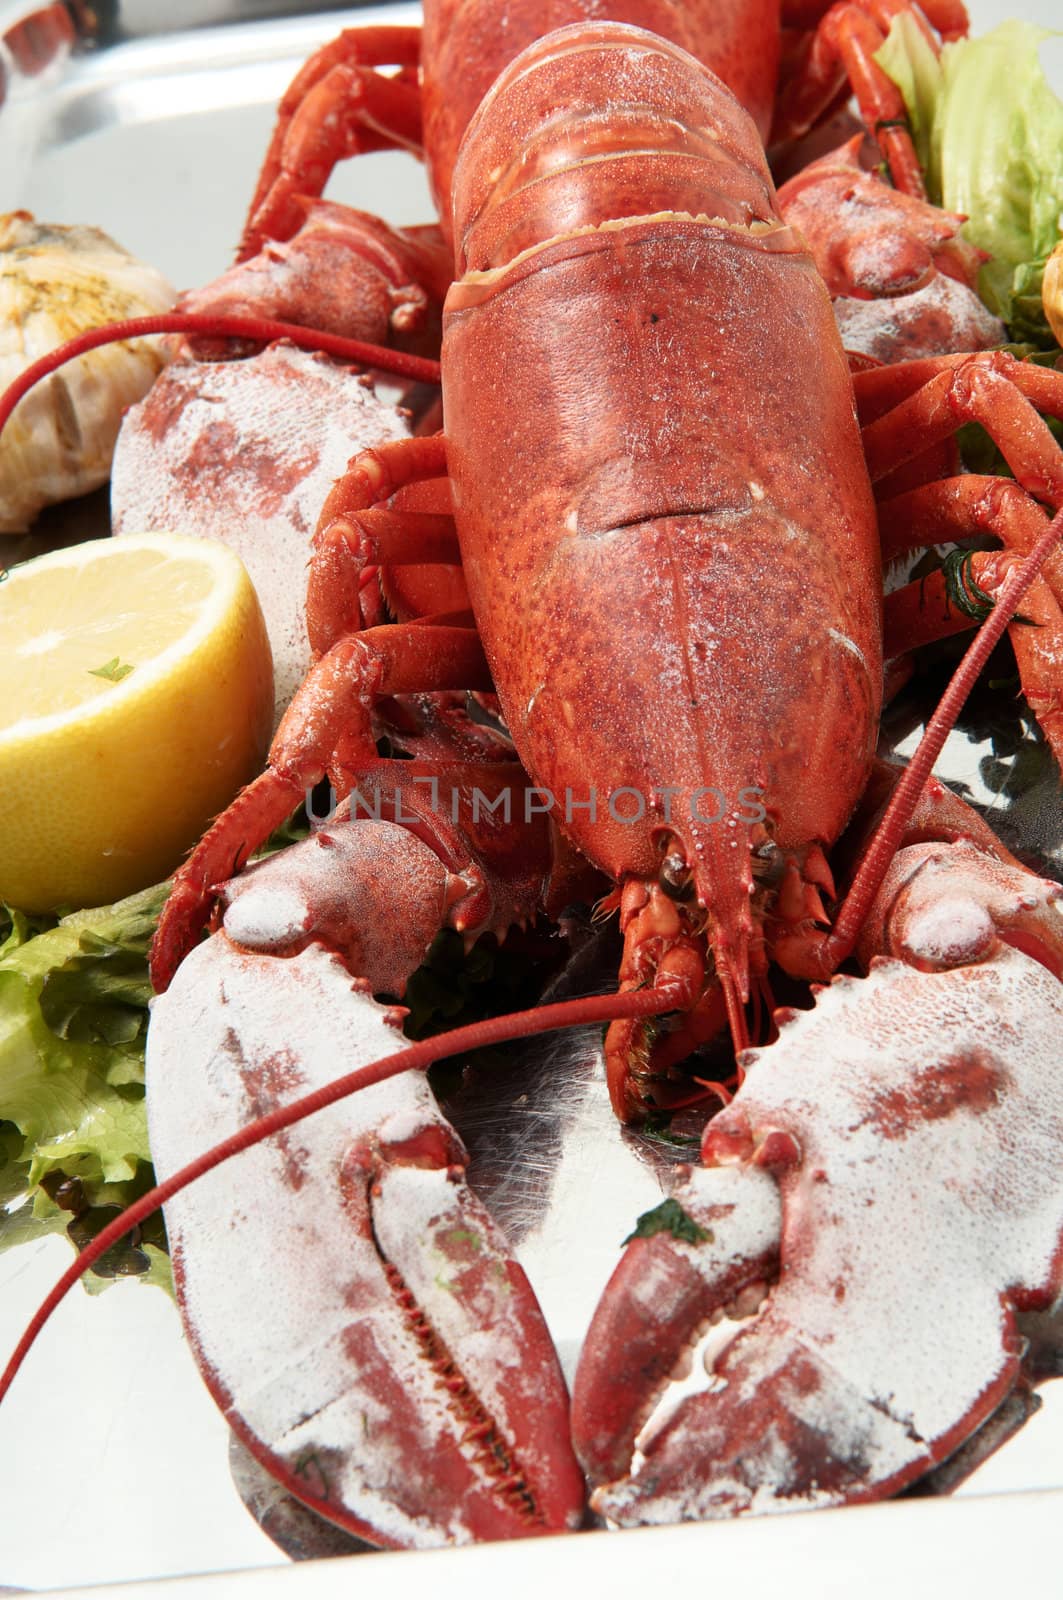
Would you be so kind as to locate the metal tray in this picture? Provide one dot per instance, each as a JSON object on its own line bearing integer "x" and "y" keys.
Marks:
{"x": 113, "y": 1459}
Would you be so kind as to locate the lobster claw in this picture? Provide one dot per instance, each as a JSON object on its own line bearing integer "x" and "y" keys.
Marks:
{"x": 714, "y": 1240}
{"x": 354, "y": 1310}
{"x": 920, "y": 1212}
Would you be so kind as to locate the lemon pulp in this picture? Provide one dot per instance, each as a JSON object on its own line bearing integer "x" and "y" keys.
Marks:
{"x": 137, "y": 701}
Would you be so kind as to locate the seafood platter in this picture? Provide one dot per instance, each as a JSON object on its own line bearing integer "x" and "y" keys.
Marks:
{"x": 521, "y": 504}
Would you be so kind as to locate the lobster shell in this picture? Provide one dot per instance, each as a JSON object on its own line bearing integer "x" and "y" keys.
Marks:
{"x": 466, "y": 45}
{"x": 677, "y": 588}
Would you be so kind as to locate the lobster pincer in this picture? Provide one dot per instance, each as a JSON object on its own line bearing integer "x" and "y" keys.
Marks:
{"x": 907, "y": 1129}
{"x": 354, "y": 1310}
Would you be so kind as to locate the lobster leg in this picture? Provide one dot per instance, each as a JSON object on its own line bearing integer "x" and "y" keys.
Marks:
{"x": 865, "y": 1366}
{"x": 355, "y": 533}
{"x": 337, "y": 104}
{"x": 927, "y": 610}
{"x": 961, "y": 595}
{"x": 984, "y": 389}
{"x": 956, "y": 508}
{"x": 334, "y": 605}
{"x": 340, "y": 271}
{"x": 327, "y": 728}
{"x": 330, "y": 720}
{"x": 376, "y": 475}
{"x": 948, "y": 17}
{"x": 991, "y": 389}
{"x": 416, "y": 590}
{"x": 883, "y": 389}
{"x": 844, "y": 45}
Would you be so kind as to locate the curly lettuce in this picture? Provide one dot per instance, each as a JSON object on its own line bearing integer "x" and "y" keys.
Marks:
{"x": 988, "y": 130}
{"x": 74, "y": 994}
{"x": 73, "y": 1127}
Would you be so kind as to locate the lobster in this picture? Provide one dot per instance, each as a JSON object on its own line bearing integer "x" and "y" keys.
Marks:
{"x": 307, "y": 260}
{"x": 686, "y": 907}
{"x": 266, "y": 1004}
{"x": 641, "y": 506}
{"x": 340, "y": 104}
{"x": 903, "y": 279}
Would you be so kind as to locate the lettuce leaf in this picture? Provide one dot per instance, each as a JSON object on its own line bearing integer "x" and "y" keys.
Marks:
{"x": 73, "y": 1016}
{"x": 988, "y": 130}
{"x": 74, "y": 996}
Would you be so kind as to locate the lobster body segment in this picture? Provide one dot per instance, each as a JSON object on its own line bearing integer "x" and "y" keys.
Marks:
{"x": 674, "y": 573}
{"x": 466, "y": 44}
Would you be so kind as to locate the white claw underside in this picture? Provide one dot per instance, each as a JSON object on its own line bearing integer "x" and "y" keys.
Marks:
{"x": 282, "y": 1284}
{"x": 928, "y": 1108}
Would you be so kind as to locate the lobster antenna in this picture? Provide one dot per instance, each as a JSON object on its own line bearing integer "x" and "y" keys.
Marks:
{"x": 263, "y": 330}
{"x": 494, "y": 1030}
{"x": 736, "y": 1011}
{"x": 868, "y": 880}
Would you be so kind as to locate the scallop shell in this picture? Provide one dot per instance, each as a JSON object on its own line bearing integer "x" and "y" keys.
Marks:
{"x": 54, "y": 283}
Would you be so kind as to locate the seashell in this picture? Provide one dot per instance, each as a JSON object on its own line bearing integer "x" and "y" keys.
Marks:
{"x": 55, "y": 282}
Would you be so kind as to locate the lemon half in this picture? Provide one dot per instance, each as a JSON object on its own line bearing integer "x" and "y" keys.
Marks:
{"x": 136, "y": 699}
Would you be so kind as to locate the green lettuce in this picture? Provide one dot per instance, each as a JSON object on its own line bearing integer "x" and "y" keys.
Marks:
{"x": 73, "y": 1127}
{"x": 988, "y": 130}
{"x": 74, "y": 995}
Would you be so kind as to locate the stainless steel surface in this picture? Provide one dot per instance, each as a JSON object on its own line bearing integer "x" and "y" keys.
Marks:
{"x": 100, "y": 24}
{"x": 118, "y": 21}
{"x": 159, "y": 141}
{"x": 113, "y": 1459}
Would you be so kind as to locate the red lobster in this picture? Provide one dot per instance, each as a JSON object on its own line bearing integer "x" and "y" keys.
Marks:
{"x": 328, "y": 267}
{"x": 611, "y": 550}
{"x": 790, "y": 63}
{"x": 635, "y": 502}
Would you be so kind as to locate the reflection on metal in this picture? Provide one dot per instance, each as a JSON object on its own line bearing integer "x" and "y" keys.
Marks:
{"x": 293, "y": 1527}
{"x": 121, "y": 20}
{"x": 158, "y": 140}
